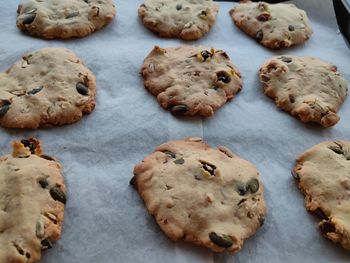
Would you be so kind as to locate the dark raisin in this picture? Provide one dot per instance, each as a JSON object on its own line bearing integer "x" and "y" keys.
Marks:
{"x": 263, "y": 17}
{"x": 291, "y": 28}
{"x": 58, "y": 195}
{"x": 291, "y": 98}
{"x": 320, "y": 214}
{"x": 179, "y": 161}
{"x": 221, "y": 240}
{"x": 82, "y": 89}
{"x": 223, "y": 76}
{"x": 28, "y": 19}
{"x": 327, "y": 226}
{"x": 35, "y": 91}
{"x": 171, "y": 154}
{"x": 203, "y": 13}
{"x": 178, "y": 7}
{"x": 43, "y": 182}
{"x": 209, "y": 168}
{"x": 259, "y": 36}
{"x": 206, "y": 54}
{"x": 46, "y": 244}
{"x": 30, "y": 143}
{"x": 179, "y": 109}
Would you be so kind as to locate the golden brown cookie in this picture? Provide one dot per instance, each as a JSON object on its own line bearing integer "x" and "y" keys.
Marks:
{"x": 32, "y": 199}
{"x": 209, "y": 197}
{"x": 323, "y": 175}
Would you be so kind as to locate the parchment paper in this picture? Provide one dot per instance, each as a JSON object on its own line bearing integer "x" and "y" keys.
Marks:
{"x": 105, "y": 220}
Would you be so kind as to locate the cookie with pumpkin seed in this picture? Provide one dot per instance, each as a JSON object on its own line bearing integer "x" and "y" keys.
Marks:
{"x": 191, "y": 80}
{"x": 32, "y": 200}
{"x": 47, "y": 87}
{"x": 209, "y": 197}
{"x": 65, "y": 18}
{"x": 306, "y": 87}
{"x": 273, "y": 25}
{"x": 185, "y": 19}
{"x": 323, "y": 175}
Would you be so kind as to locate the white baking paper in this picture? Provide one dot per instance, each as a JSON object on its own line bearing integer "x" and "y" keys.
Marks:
{"x": 105, "y": 220}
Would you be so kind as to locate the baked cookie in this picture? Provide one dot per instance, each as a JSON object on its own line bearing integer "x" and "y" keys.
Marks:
{"x": 64, "y": 18}
{"x": 32, "y": 199}
{"x": 323, "y": 175}
{"x": 191, "y": 80}
{"x": 306, "y": 87}
{"x": 209, "y": 197}
{"x": 47, "y": 87}
{"x": 185, "y": 19}
{"x": 273, "y": 25}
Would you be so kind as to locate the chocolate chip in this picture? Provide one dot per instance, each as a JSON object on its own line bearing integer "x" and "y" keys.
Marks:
{"x": 223, "y": 76}
{"x": 208, "y": 167}
{"x": 253, "y": 185}
{"x": 259, "y": 36}
{"x": 87, "y": 1}
{"x": 179, "y": 161}
{"x": 206, "y": 54}
{"x": 286, "y": 59}
{"x": 35, "y": 91}
{"x": 43, "y": 182}
{"x": 291, "y": 98}
{"x": 74, "y": 14}
{"x": 47, "y": 157}
{"x": 57, "y": 194}
{"x": 82, "y": 89}
{"x": 28, "y": 19}
{"x": 30, "y": 143}
{"x": 327, "y": 226}
{"x": 320, "y": 214}
{"x": 4, "y": 108}
{"x": 281, "y": 44}
{"x": 171, "y": 154}
{"x": 133, "y": 181}
{"x": 261, "y": 220}
{"x": 46, "y": 244}
{"x": 295, "y": 175}
{"x": 221, "y": 240}
{"x": 291, "y": 28}
{"x": 178, "y": 7}
{"x": 179, "y": 109}
{"x": 203, "y": 13}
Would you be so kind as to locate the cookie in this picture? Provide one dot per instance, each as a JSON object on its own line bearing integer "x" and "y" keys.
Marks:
{"x": 185, "y": 19}
{"x": 47, "y": 87}
{"x": 306, "y": 87}
{"x": 209, "y": 197}
{"x": 64, "y": 18}
{"x": 32, "y": 199}
{"x": 190, "y": 80}
{"x": 323, "y": 175}
{"x": 273, "y": 25}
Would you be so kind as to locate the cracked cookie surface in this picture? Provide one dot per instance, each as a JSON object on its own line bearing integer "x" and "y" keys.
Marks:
{"x": 273, "y": 25}
{"x": 32, "y": 198}
{"x": 45, "y": 88}
{"x": 209, "y": 197}
{"x": 323, "y": 175}
{"x": 64, "y": 18}
{"x": 185, "y": 19}
{"x": 306, "y": 87}
{"x": 190, "y": 80}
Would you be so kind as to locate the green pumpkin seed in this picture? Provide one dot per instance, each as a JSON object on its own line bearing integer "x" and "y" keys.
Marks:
{"x": 58, "y": 195}
{"x": 221, "y": 240}
{"x": 336, "y": 149}
{"x": 179, "y": 161}
{"x": 28, "y": 19}
{"x": 253, "y": 185}
{"x": 179, "y": 109}
{"x": 82, "y": 89}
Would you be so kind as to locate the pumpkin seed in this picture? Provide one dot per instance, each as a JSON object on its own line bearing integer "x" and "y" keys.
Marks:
{"x": 39, "y": 228}
{"x": 178, "y": 7}
{"x": 179, "y": 109}
{"x": 336, "y": 149}
{"x": 28, "y": 19}
{"x": 286, "y": 59}
{"x": 291, "y": 28}
{"x": 253, "y": 185}
{"x": 32, "y": 11}
{"x": 221, "y": 240}
{"x": 179, "y": 161}
{"x": 35, "y": 91}
{"x": 82, "y": 89}
{"x": 241, "y": 189}
{"x": 58, "y": 195}
{"x": 259, "y": 36}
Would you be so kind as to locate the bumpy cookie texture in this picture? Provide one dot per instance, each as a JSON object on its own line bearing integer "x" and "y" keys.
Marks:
{"x": 209, "y": 197}
{"x": 273, "y": 25}
{"x": 323, "y": 174}
{"x": 64, "y": 18}
{"x": 190, "y": 80}
{"x": 32, "y": 199}
{"x": 47, "y": 87}
{"x": 185, "y": 19}
{"x": 306, "y": 87}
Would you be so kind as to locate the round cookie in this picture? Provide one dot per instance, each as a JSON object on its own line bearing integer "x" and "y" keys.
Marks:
{"x": 47, "y": 87}
{"x": 185, "y": 19}
{"x": 273, "y": 25}
{"x": 323, "y": 175}
{"x": 64, "y": 18}
{"x": 32, "y": 199}
{"x": 209, "y": 197}
{"x": 190, "y": 80}
{"x": 306, "y": 87}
